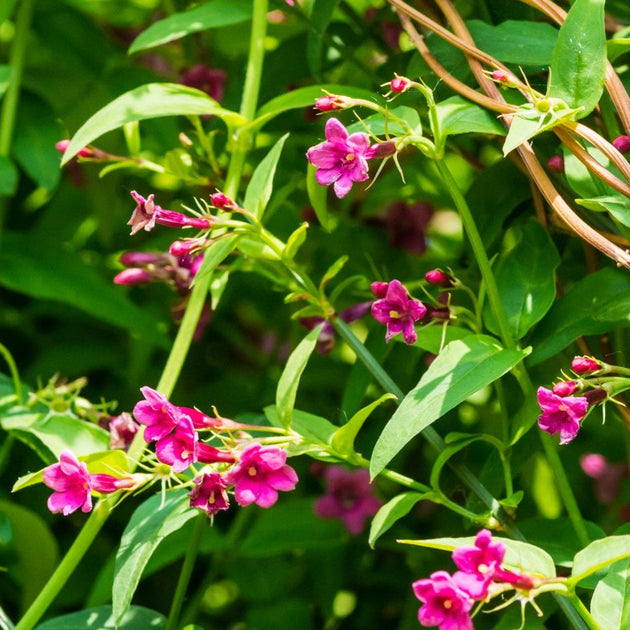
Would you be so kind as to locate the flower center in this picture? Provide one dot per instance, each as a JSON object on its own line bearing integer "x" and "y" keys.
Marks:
{"x": 251, "y": 471}
{"x": 211, "y": 499}
{"x": 350, "y": 157}
{"x": 185, "y": 454}
{"x": 394, "y": 315}
{"x": 483, "y": 568}
{"x": 448, "y": 604}
{"x": 562, "y": 408}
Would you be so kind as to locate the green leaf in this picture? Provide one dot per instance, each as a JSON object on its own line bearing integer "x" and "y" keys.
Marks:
{"x": 616, "y": 47}
{"x": 594, "y": 305}
{"x": 152, "y": 521}
{"x": 50, "y": 434}
{"x": 303, "y": 97}
{"x": 619, "y": 207}
{"x": 260, "y": 186}
{"x": 318, "y": 197}
{"x": 599, "y": 554}
{"x": 320, "y": 17}
{"x": 516, "y": 41}
{"x": 209, "y": 15}
{"x": 434, "y": 338}
{"x": 610, "y": 605}
{"x": 392, "y": 511}
{"x": 519, "y": 556}
{"x": 294, "y": 242}
{"x": 461, "y": 369}
{"x": 5, "y": 77}
{"x": 291, "y": 525}
{"x": 527, "y": 292}
{"x": 457, "y": 115}
{"x": 290, "y": 378}
{"x": 35, "y": 548}
{"x": 379, "y": 124}
{"x": 578, "y": 65}
{"x": 522, "y": 128}
{"x": 152, "y": 100}
{"x": 217, "y": 253}
{"x": 343, "y": 439}
{"x": 312, "y": 428}
{"x": 41, "y": 270}
{"x": 8, "y": 177}
{"x": 102, "y": 618}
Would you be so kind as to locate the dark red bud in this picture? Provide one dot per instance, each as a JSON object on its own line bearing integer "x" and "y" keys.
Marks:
{"x": 556, "y": 164}
{"x": 221, "y": 201}
{"x": 622, "y": 144}
{"x": 595, "y": 396}
{"x": 382, "y": 150}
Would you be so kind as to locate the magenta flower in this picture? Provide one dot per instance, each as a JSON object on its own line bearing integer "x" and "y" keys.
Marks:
{"x": 179, "y": 448}
{"x": 157, "y": 413}
{"x": 445, "y": 604}
{"x": 71, "y": 483}
{"x": 260, "y": 472}
{"x": 209, "y": 494}
{"x": 342, "y": 159}
{"x": 144, "y": 214}
{"x": 398, "y": 312}
{"x": 348, "y": 497}
{"x": 122, "y": 430}
{"x": 481, "y": 562}
{"x": 561, "y": 415}
{"x": 608, "y": 477}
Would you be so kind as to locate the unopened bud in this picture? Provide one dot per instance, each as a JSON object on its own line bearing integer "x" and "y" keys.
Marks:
{"x": 133, "y": 276}
{"x": 500, "y": 76}
{"x": 140, "y": 259}
{"x": 379, "y": 289}
{"x": 564, "y": 388}
{"x": 221, "y": 201}
{"x": 183, "y": 248}
{"x": 399, "y": 84}
{"x": 622, "y": 144}
{"x": 170, "y": 218}
{"x": 584, "y": 365}
{"x": 382, "y": 150}
{"x": 62, "y": 147}
{"x": 595, "y": 396}
{"x": 329, "y": 103}
{"x": 439, "y": 278}
{"x": 556, "y": 164}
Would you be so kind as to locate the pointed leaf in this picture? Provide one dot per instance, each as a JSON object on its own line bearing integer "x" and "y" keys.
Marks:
{"x": 318, "y": 197}
{"x": 598, "y": 555}
{"x": 210, "y": 15}
{"x": 218, "y": 251}
{"x": 290, "y": 378}
{"x": 152, "y": 521}
{"x": 152, "y": 100}
{"x": 461, "y": 369}
{"x": 578, "y": 65}
{"x": 102, "y": 618}
{"x": 260, "y": 186}
{"x": 619, "y": 207}
{"x": 319, "y": 19}
{"x": 392, "y": 511}
{"x": 610, "y": 605}
{"x": 312, "y": 428}
{"x": 457, "y": 115}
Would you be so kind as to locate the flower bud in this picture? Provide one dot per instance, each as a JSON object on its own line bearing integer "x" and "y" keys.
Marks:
{"x": 140, "y": 259}
{"x": 564, "y": 388}
{"x": 62, "y": 147}
{"x": 556, "y": 164}
{"x": 584, "y": 365}
{"x": 622, "y": 144}
{"x": 399, "y": 84}
{"x": 439, "y": 278}
{"x": 183, "y": 248}
{"x": 382, "y": 150}
{"x": 170, "y": 218}
{"x": 379, "y": 289}
{"x": 221, "y": 201}
{"x": 133, "y": 276}
{"x": 329, "y": 103}
{"x": 500, "y": 76}
{"x": 595, "y": 396}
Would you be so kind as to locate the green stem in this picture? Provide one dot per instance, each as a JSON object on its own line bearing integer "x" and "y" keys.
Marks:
{"x": 186, "y": 572}
{"x": 67, "y": 566}
{"x": 578, "y": 605}
{"x": 15, "y": 376}
{"x": 403, "y": 480}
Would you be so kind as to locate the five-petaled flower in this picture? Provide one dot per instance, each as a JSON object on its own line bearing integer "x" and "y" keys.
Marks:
{"x": 209, "y": 493}
{"x": 342, "y": 159}
{"x": 445, "y": 604}
{"x": 561, "y": 414}
{"x": 258, "y": 475}
{"x": 397, "y": 311}
{"x": 349, "y": 497}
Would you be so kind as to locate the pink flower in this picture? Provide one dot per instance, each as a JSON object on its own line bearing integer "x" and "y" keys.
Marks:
{"x": 260, "y": 472}
{"x": 348, "y": 497}
{"x": 209, "y": 493}
{"x": 608, "y": 477}
{"x": 157, "y": 413}
{"x": 179, "y": 448}
{"x": 398, "y": 312}
{"x": 561, "y": 415}
{"x": 445, "y": 604}
{"x": 480, "y": 561}
{"x": 144, "y": 214}
{"x": 122, "y": 430}
{"x": 342, "y": 159}
{"x": 71, "y": 483}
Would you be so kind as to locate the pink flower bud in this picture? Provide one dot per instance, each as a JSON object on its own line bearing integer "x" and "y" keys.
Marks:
{"x": 399, "y": 84}
{"x": 564, "y": 388}
{"x": 221, "y": 201}
{"x": 556, "y": 164}
{"x": 63, "y": 145}
{"x": 500, "y": 76}
{"x": 584, "y": 365}
{"x": 622, "y": 144}
{"x": 133, "y": 276}
{"x": 183, "y": 248}
{"x": 381, "y": 150}
{"x": 329, "y": 103}
{"x": 170, "y": 218}
{"x": 140, "y": 259}
{"x": 439, "y": 278}
{"x": 379, "y": 289}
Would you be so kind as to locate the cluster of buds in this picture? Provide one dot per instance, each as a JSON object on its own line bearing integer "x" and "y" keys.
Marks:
{"x": 254, "y": 471}
{"x": 448, "y": 599}
{"x": 565, "y": 406}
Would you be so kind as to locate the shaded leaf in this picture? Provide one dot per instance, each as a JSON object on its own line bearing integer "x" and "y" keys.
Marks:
{"x": 392, "y": 511}
{"x": 458, "y": 115}
{"x": 610, "y": 605}
{"x": 320, "y": 17}
{"x": 8, "y": 176}
{"x": 102, "y": 618}
{"x": 599, "y": 554}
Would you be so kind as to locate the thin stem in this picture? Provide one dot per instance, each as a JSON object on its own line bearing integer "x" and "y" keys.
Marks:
{"x": 578, "y": 605}
{"x": 5, "y": 622}
{"x": 67, "y": 566}
{"x": 15, "y": 376}
{"x": 186, "y": 572}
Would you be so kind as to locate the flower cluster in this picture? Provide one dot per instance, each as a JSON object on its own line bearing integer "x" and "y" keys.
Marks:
{"x": 73, "y": 484}
{"x": 256, "y": 472}
{"x": 448, "y": 599}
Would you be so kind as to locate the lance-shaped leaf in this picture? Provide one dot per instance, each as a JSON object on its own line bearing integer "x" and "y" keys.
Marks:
{"x": 599, "y": 555}
{"x": 610, "y": 605}
{"x": 578, "y": 65}
{"x": 152, "y": 100}
{"x": 460, "y": 370}
{"x": 149, "y": 525}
